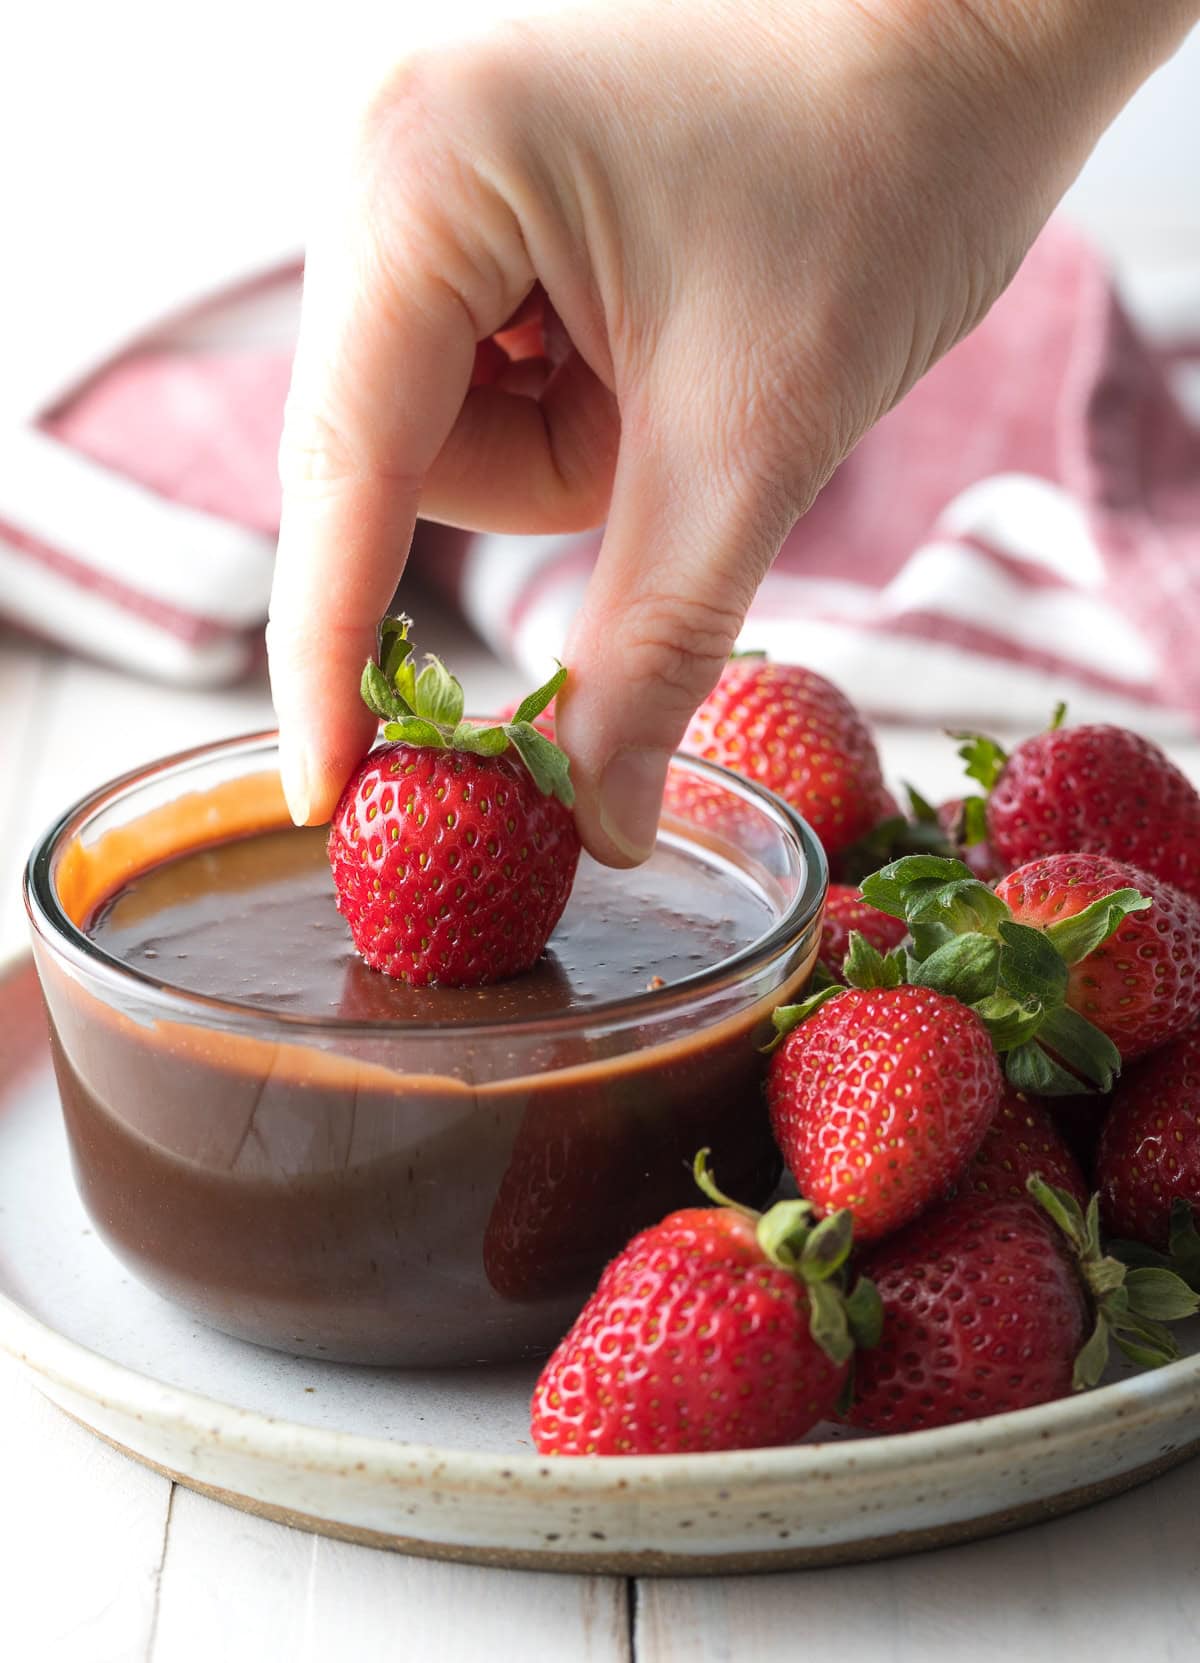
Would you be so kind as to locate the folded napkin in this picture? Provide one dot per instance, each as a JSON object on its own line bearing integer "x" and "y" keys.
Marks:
{"x": 1024, "y": 526}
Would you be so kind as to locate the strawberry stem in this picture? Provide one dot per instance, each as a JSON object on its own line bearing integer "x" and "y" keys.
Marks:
{"x": 426, "y": 709}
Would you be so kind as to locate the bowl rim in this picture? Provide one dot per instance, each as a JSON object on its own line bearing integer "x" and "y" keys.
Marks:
{"x": 63, "y": 937}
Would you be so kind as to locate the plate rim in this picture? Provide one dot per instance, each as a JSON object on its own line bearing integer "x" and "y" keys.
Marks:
{"x": 74, "y": 1367}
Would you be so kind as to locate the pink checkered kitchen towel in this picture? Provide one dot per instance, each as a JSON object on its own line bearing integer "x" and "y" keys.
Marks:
{"x": 1025, "y": 526}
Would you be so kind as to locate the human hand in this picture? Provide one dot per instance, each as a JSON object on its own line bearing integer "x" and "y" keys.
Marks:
{"x": 759, "y": 223}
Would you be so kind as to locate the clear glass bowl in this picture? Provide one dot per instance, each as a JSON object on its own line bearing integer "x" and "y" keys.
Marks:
{"x": 406, "y": 1193}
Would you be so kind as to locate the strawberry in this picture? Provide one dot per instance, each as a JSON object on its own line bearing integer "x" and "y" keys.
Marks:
{"x": 879, "y": 1097}
{"x": 846, "y": 911}
{"x": 1149, "y": 1154}
{"x": 720, "y": 1328}
{"x": 1093, "y": 789}
{"x": 453, "y": 847}
{"x": 1140, "y": 985}
{"x": 1075, "y": 962}
{"x": 792, "y": 731}
{"x": 987, "y": 1306}
{"x": 1022, "y": 1142}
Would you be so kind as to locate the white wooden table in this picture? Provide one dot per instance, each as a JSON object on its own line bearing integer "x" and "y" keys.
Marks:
{"x": 103, "y": 1561}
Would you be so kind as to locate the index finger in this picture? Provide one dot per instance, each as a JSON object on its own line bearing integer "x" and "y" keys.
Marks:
{"x": 387, "y": 342}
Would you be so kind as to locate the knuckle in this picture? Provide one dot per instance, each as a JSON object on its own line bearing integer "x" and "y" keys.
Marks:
{"x": 674, "y": 647}
{"x": 319, "y": 457}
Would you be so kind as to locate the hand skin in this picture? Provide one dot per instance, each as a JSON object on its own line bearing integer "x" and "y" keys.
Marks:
{"x": 759, "y": 223}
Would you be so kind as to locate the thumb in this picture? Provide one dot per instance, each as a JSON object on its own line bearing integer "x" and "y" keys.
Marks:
{"x": 688, "y": 540}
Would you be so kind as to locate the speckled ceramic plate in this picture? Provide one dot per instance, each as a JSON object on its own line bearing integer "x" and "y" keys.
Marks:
{"x": 439, "y": 1462}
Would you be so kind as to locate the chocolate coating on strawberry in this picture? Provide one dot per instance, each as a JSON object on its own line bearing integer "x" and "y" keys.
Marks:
{"x": 453, "y": 846}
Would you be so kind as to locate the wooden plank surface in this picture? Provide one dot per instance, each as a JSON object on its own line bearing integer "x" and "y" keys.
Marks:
{"x": 241, "y": 1589}
{"x": 1116, "y": 1582}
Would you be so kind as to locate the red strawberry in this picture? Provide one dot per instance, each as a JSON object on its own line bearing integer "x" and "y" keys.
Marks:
{"x": 794, "y": 732}
{"x": 987, "y": 1305}
{"x": 845, "y": 910}
{"x": 1093, "y": 789}
{"x": 1141, "y": 986}
{"x": 1023, "y": 1142}
{"x": 453, "y": 847}
{"x": 879, "y": 1098}
{"x": 1074, "y": 962}
{"x": 1149, "y": 1151}
{"x": 719, "y": 1328}
{"x": 983, "y": 1311}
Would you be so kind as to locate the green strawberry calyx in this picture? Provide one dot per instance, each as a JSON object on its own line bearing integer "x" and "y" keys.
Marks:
{"x": 986, "y": 760}
{"x": 792, "y": 1238}
{"x": 965, "y": 942}
{"x": 1132, "y": 1306}
{"x": 426, "y": 708}
{"x": 1183, "y": 1247}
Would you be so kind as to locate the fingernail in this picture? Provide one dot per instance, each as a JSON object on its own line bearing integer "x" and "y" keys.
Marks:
{"x": 631, "y": 790}
{"x": 293, "y": 776}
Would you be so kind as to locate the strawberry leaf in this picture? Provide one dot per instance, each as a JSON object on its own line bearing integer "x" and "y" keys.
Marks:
{"x": 491, "y": 741}
{"x": 531, "y": 707}
{"x": 973, "y": 828}
{"x": 439, "y": 695}
{"x": 783, "y": 1231}
{"x": 1031, "y": 1069}
{"x": 1092, "y": 1359}
{"x": 921, "y": 809}
{"x": 414, "y": 730}
{"x": 865, "y": 966}
{"x": 1030, "y": 966}
{"x": 786, "y": 1017}
{"x": 1076, "y": 937}
{"x": 984, "y": 758}
{"x": 827, "y": 1322}
{"x": 394, "y": 645}
{"x": 864, "y": 1313}
{"x": 549, "y": 766}
{"x": 1160, "y": 1295}
{"x": 965, "y": 968}
{"x": 1081, "y": 1046}
{"x": 1009, "y": 1022}
{"x": 828, "y": 1247}
{"x": 379, "y": 697}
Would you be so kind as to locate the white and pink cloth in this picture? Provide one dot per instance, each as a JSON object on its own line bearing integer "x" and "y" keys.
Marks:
{"x": 1025, "y": 526}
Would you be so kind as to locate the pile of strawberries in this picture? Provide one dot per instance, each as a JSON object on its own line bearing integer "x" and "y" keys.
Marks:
{"x": 1005, "y": 1017}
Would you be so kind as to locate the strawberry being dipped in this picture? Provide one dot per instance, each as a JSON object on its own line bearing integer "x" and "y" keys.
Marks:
{"x": 720, "y": 1328}
{"x": 792, "y": 731}
{"x": 991, "y": 1305}
{"x": 1093, "y": 789}
{"x": 453, "y": 846}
